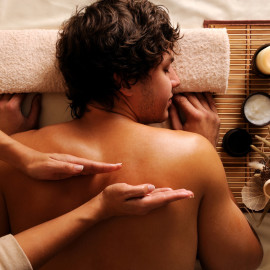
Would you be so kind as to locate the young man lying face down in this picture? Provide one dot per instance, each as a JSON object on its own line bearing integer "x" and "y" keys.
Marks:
{"x": 116, "y": 59}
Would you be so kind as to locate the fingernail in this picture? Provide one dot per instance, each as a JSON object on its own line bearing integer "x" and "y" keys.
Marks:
{"x": 188, "y": 193}
{"x": 78, "y": 167}
{"x": 151, "y": 188}
{"x": 119, "y": 164}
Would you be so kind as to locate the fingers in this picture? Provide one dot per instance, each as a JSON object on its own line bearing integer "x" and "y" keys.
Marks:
{"x": 194, "y": 100}
{"x": 174, "y": 118}
{"x": 211, "y": 102}
{"x": 157, "y": 199}
{"x": 163, "y": 198}
{"x": 183, "y": 103}
{"x": 202, "y": 100}
{"x": 12, "y": 101}
{"x": 16, "y": 100}
{"x": 94, "y": 167}
{"x": 186, "y": 107}
{"x": 57, "y": 170}
{"x": 6, "y": 97}
{"x": 89, "y": 166}
{"x": 33, "y": 117}
{"x": 124, "y": 199}
{"x": 138, "y": 191}
{"x": 161, "y": 190}
{"x": 199, "y": 101}
{"x": 199, "y": 110}
{"x": 11, "y": 120}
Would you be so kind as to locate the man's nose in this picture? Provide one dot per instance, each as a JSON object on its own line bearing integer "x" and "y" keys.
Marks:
{"x": 174, "y": 78}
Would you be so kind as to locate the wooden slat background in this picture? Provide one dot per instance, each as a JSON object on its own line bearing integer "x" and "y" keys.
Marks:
{"x": 245, "y": 37}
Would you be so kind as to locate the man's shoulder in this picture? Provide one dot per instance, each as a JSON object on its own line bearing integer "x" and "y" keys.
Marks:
{"x": 38, "y": 137}
{"x": 178, "y": 138}
{"x": 186, "y": 157}
{"x": 173, "y": 145}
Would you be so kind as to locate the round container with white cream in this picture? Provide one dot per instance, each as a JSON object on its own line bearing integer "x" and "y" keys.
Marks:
{"x": 256, "y": 109}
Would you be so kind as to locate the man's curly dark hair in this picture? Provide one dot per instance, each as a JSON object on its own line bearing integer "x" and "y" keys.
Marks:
{"x": 126, "y": 38}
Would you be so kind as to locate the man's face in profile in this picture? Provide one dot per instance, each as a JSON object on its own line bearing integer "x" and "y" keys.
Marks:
{"x": 155, "y": 93}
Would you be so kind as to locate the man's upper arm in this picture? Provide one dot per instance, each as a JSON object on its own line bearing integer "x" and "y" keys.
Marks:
{"x": 226, "y": 240}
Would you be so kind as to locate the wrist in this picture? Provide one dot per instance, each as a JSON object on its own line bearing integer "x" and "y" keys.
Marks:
{"x": 16, "y": 154}
{"x": 10, "y": 151}
{"x": 94, "y": 211}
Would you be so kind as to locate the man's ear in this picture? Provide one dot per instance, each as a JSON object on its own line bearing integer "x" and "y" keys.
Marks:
{"x": 123, "y": 89}
{"x": 126, "y": 91}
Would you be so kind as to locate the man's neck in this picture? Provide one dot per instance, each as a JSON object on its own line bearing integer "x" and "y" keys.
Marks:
{"x": 121, "y": 109}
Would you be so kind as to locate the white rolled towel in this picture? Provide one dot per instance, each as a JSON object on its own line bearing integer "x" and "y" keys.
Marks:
{"x": 28, "y": 62}
{"x": 203, "y": 64}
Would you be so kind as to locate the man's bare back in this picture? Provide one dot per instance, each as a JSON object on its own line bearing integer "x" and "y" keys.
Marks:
{"x": 166, "y": 238}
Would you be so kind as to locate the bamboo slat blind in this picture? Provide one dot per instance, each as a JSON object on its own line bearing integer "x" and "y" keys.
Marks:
{"x": 245, "y": 37}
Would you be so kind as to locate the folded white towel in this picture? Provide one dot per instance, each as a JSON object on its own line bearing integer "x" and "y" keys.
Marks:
{"x": 204, "y": 61}
{"x": 28, "y": 62}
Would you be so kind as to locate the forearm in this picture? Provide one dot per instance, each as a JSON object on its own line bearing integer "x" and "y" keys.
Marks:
{"x": 9, "y": 151}
{"x": 5, "y": 146}
{"x": 12, "y": 151}
{"x": 42, "y": 242}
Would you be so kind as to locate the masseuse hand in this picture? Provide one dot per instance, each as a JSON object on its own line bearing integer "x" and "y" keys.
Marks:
{"x": 123, "y": 199}
{"x": 36, "y": 164}
{"x": 60, "y": 166}
{"x": 200, "y": 114}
